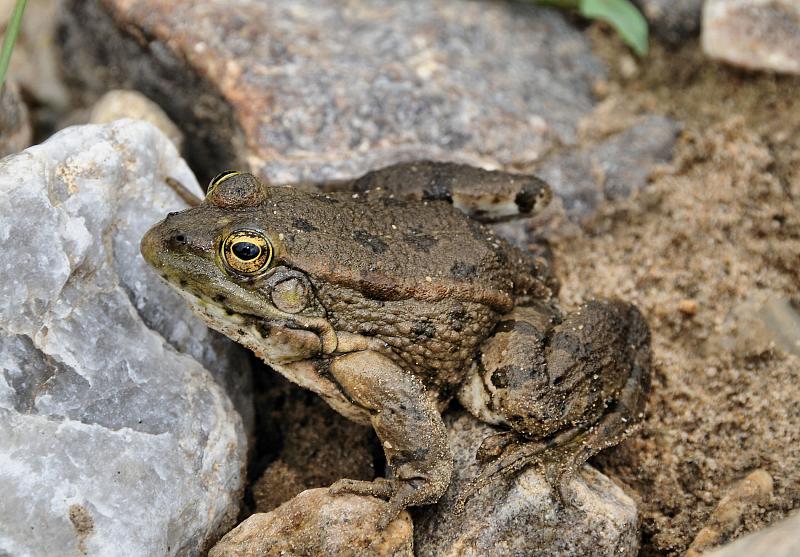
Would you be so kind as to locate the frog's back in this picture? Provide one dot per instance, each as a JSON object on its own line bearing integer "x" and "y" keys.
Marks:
{"x": 396, "y": 250}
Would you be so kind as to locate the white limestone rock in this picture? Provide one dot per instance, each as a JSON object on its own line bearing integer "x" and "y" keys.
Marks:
{"x": 116, "y": 438}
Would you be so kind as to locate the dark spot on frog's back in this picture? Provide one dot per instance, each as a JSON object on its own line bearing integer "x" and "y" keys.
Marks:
{"x": 419, "y": 240}
{"x": 439, "y": 187}
{"x": 423, "y": 329}
{"x": 462, "y": 271}
{"x": 304, "y": 225}
{"x": 373, "y": 242}
{"x": 456, "y": 317}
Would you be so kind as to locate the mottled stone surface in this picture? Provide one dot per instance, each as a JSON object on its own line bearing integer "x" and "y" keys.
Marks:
{"x": 755, "y": 34}
{"x": 314, "y": 89}
{"x": 317, "y": 523}
{"x": 779, "y": 540}
{"x": 119, "y": 104}
{"x": 523, "y": 517}
{"x": 612, "y": 168}
{"x": 116, "y": 437}
{"x": 15, "y": 125}
{"x": 673, "y": 21}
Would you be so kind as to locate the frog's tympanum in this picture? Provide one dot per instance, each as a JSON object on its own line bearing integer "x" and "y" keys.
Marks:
{"x": 388, "y": 297}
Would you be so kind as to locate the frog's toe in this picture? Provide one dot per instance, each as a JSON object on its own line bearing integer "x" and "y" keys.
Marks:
{"x": 387, "y": 515}
{"x": 558, "y": 476}
{"x": 493, "y": 446}
{"x": 379, "y": 487}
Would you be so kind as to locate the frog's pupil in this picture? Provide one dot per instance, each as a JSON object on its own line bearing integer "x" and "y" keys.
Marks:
{"x": 246, "y": 250}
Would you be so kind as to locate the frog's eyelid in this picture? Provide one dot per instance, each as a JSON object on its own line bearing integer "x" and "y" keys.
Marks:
{"x": 221, "y": 177}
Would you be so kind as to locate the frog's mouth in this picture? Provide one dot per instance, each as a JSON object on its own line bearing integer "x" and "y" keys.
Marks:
{"x": 276, "y": 341}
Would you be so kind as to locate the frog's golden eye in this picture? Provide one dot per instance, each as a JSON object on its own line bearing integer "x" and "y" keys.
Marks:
{"x": 219, "y": 178}
{"x": 246, "y": 252}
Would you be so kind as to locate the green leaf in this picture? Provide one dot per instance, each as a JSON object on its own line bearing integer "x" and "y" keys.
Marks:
{"x": 10, "y": 38}
{"x": 622, "y": 16}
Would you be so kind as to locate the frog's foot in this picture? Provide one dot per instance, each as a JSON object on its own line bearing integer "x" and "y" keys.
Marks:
{"x": 379, "y": 487}
{"x": 399, "y": 494}
{"x": 558, "y": 457}
{"x": 508, "y": 454}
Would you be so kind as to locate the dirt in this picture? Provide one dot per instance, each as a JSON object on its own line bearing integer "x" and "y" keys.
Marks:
{"x": 714, "y": 233}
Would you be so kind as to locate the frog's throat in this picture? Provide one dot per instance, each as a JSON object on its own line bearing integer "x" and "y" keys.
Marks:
{"x": 265, "y": 312}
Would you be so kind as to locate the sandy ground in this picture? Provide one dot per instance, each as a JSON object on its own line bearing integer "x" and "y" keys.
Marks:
{"x": 714, "y": 236}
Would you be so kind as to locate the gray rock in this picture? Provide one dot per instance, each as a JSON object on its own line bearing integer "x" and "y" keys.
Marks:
{"x": 116, "y": 440}
{"x": 764, "y": 321}
{"x": 755, "y": 34}
{"x": 313, "y": 90}
{"x": 119, "y": 104}
{"x": 317, "y": 523}
{"x": 673, "y": 21}
{"x": 15, "y": 125}
{"x": 779, "y": 540}
{"x": 523, "y": 517}
{"x": 611, "y": 169}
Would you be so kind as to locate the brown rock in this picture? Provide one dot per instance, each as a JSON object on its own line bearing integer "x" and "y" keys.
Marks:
{"x": 118, "y": 104}
{"x": 688, "y": 307}
{"x": 315, "y": 89}
{"x": 317, "y": 523}
{"x": 755, "y": 34}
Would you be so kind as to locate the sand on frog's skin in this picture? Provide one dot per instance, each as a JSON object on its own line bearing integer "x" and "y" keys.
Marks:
{"x": 716, "y": 230}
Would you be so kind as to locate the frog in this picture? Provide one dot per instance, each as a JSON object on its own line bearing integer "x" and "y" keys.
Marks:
{"x": 391, "y": 294}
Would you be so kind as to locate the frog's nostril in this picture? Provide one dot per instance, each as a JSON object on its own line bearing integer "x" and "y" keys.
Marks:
{"x": 180, "y": 238}
{"x": 172, "y": 214}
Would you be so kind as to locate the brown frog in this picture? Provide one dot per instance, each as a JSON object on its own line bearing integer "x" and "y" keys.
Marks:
{"x": 387, "y": 297}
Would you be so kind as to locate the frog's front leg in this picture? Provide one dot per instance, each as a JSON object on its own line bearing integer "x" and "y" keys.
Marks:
{"x": 566, "y": 388}
{"x": 409, "y": 426}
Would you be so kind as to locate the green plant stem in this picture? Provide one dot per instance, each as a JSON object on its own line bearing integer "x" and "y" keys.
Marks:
{"x": 12, "y": 30}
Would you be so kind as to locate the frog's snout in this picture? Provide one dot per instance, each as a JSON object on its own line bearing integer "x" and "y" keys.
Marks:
{"x": 164, "y": 238}
{"x": 151, "y": 246}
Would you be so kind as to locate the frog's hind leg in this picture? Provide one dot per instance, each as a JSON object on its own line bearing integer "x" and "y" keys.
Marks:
{"x": 567, "y": 391}
{"x": 485, "y": 195}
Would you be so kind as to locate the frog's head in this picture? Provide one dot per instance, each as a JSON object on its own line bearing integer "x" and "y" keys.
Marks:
{"x": 223, "y": 256}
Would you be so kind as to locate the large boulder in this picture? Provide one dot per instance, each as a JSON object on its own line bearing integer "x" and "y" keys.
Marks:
{"x": 312, "y": 90}
{"x": 118, "y": 436}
